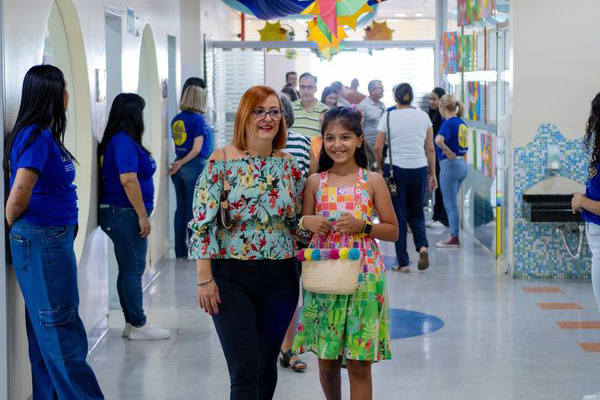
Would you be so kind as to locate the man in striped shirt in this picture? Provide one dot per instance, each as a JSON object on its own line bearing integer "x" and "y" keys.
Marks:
{"x": 308, "y": 110}
{"x": 297, "y": 145}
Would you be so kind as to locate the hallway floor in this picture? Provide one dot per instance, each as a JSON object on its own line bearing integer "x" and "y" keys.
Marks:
{"x": 484, "y": 336}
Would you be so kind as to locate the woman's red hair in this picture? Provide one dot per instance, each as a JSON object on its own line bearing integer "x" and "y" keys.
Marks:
{"x": 249, "y": 101}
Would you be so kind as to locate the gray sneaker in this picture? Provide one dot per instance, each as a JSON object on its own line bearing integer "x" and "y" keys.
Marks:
{"x": 127, "y": 330}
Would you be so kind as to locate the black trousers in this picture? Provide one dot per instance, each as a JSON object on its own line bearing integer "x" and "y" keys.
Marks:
{"x": 259, "y": 298}
{"x": 439, "y": 212}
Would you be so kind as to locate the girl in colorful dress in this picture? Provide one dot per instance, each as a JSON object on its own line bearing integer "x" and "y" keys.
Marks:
{"x": 339, "y": 207}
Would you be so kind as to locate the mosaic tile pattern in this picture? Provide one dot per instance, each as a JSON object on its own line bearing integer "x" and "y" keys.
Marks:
{"x": 538, "y": 249}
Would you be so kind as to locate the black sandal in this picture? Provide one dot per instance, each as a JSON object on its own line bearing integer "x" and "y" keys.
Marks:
{"x": 285, "y": 361}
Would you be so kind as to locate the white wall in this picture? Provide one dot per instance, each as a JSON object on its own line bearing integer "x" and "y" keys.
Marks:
{"x": 556, "y": 65}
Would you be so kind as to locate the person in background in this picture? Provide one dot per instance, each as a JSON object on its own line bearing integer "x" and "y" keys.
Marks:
{"x": 352, "y": 94}
{"x": 589, "y": 203}
{"x": 247, "y": 273}
{"x": 290, "y": 88}
{"x": 329, "y": 97}
{"x": 347, "y": 329}
{"x": 372, "y": 108}
{"x": 413, "y": 158}
{"x": 308, "y": 112}
{"x": 193, "y": 145}
{"x": 439, "y": 218}
{"x": 298, "y": 146}
{"x": 193, "y": 81}
{"x": 453, "y": 140}
{"x": 339, "y": 88}
{"x": 41, "y": 212}
{"x": 126, "y": 201}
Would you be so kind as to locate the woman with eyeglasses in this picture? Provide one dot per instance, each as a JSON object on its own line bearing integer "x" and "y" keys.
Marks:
{"x": 246, "y": 270}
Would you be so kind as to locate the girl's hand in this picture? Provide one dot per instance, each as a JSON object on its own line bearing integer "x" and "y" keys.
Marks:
{"x": 348, "y": 224}
{"x": 317, "y": 224}
{"x": 208, "y": 297}
{"x": 433, "y": 184}
{"x": 576, "y": 202}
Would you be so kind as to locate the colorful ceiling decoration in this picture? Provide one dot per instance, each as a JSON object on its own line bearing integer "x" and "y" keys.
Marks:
{"x": 378, "y": 31}
{"x": 274, "y": 9}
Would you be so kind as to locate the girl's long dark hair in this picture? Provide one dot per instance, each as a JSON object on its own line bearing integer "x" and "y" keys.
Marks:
{"x": 126, "y": 115}
{"x": 350, "y": 119}
{"x": 43, "y": 106}
{"x": 592, "y": 137}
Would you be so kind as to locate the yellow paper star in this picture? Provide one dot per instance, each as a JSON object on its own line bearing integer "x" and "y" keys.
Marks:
{"x": 321, "y": 40}
{"x": 272, "y": 33}
{"x": 379, "y": 31}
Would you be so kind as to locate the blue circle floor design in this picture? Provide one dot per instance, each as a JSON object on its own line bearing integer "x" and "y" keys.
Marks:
{"x": 406, "y": 323}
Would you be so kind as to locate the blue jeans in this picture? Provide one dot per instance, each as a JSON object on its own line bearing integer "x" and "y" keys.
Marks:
{"x": 122, "y": 226}
{"x": 184, "y": 181}
{"x": 46, "y": 269}
{"x": 408, "y": 205}
{"x": 452, "y": 175}
{"x": 593, "y": 237}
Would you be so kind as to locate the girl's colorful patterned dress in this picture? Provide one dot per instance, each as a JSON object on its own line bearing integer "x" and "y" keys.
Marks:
{"x": 353, "y": 326}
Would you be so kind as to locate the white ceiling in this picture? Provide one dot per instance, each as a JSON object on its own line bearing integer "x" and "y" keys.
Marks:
{"x": 410, "y": 8}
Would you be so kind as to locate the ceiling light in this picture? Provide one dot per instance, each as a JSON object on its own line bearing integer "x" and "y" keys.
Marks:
{"x": 418, "y": 15}
{"x": 401, "y": 15}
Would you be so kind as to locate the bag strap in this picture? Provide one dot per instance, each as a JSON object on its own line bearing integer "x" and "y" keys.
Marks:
{"x": 226, "y": 184}
{"x": 389, "y": 140}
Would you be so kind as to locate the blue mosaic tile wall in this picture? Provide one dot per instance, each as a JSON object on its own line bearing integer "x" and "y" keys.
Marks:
{"x": 538, "y": 249}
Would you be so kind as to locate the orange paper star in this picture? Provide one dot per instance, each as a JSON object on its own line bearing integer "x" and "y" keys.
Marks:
{"x": 379, "y": 31}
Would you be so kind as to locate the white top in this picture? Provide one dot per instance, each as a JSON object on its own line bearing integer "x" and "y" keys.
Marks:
{"x": 408, "y": 133}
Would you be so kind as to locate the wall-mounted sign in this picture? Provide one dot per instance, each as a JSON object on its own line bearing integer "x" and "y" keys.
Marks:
{"x": 133, "y": 22}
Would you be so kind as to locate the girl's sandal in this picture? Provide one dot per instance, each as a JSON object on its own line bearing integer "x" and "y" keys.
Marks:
{"x": 286, "y": 361}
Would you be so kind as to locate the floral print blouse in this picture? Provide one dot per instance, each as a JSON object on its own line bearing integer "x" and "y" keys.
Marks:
{"x": 264, "y": 204}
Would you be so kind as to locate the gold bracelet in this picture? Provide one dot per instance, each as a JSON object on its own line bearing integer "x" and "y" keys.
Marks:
{"x": 206, "y": 282}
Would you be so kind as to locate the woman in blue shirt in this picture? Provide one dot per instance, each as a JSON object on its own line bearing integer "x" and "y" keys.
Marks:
{"x": 589, "y": 204}
{"x": 41, "y": 212}
{"x": 193, "y": 145}
{"x": 126, "y": 200}
{"x": 452, "y": 139}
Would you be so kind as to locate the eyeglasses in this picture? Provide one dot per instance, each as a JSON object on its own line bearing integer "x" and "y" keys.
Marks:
{"x": 262, "y": 114}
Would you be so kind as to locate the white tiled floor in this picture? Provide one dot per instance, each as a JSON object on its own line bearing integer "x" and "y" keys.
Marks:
{"x": 496, "y": 342}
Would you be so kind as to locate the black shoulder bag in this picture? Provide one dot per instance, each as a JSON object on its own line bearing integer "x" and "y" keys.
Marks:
{"x": 390, "y": 180}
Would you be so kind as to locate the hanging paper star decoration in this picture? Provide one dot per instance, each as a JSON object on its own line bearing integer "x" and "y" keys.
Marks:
{"x": 273, "y": 33}
{"x": 378, "y": 31}
{"x": 330, "y": 16}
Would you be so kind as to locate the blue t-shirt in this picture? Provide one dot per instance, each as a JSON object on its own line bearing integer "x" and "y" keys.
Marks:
{"x": 54, "y": 197}
{"x": 456, "y": 137}
{"x": 124, "y": 155}
{"x": 592, "y": 191}
{"x": 187, "y": 126}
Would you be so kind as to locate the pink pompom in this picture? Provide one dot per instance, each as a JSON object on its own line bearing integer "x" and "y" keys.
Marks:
{"x": 334, "y": 254}
{"x": 300, "y": 255}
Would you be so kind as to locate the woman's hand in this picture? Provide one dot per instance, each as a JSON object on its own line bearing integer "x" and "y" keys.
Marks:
{"x": 208, "y": 297}
{"x": 451, "y": 155}
{"x": 433, "y": 184}
{"x": 576, "y": 202}
{"x": 144, "y": 226}
{"x": 317, "y": 224}
{"x": 175, "y": 167}
{"x": 348, "y": 224}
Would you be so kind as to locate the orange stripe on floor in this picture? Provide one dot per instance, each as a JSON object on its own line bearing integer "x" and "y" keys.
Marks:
{"x": 579, "y": 324}
{"x": 560, "y": 306}
{"x": 542, "y": 289}
{"x": 590, "y": 347}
